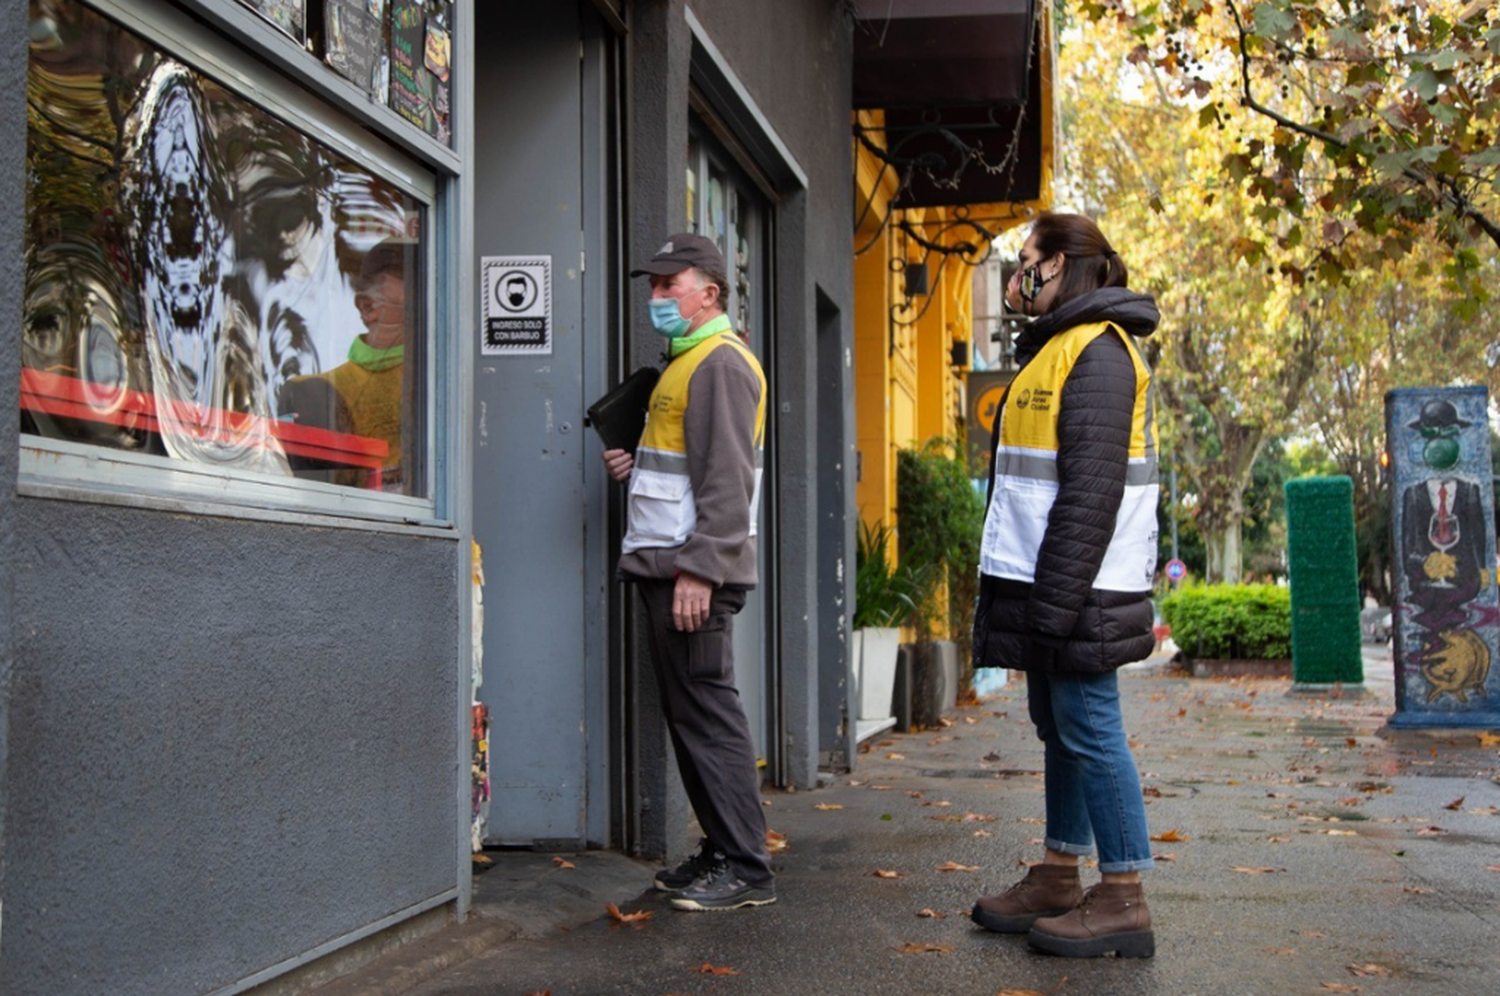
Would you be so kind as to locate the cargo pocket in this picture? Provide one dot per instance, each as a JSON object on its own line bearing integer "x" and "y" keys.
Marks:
{"x": 706, "y": 649}
{"x": 661, "y": 508}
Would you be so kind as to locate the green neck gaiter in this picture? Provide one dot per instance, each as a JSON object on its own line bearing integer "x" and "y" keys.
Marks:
{"x": 362, "y": 354}
{"x": 713, "y": 327}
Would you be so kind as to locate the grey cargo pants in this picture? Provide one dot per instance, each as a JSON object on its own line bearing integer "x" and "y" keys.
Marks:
{"x": 711, "y": 737}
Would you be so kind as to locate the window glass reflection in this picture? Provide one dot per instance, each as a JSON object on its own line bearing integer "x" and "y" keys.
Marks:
{"x": 207, "y": 283}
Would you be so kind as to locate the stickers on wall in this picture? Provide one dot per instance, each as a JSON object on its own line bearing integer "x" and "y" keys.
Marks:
{"x": 516, "y": 312}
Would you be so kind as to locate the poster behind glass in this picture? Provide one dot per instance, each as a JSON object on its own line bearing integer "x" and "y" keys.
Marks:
{"x": 205, "y": 282}
{"x": 421, "y": 64}
{"x": 288, "y": 15}
{"x": 354, "y": 33}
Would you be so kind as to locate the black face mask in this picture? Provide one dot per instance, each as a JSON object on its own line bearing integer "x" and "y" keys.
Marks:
{"x": 1030, "y": 285}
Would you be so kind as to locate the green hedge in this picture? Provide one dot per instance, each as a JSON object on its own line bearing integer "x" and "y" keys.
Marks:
{"x": 1231, "y": 621}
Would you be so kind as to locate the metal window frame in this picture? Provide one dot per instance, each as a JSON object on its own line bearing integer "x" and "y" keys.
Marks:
{"x": 316, "y": 101}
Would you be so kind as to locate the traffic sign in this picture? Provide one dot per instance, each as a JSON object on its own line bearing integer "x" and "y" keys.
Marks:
{"x": 1176, "y": 570}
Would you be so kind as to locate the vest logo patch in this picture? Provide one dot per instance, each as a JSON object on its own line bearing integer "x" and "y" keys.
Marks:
{"x": 1041, "y": 399}
{"x": 1024, "y": 400}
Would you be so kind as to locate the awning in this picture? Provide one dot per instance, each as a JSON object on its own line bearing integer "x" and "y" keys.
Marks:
{"x": 962, "y": 86}
{"x": 914, "y": 53}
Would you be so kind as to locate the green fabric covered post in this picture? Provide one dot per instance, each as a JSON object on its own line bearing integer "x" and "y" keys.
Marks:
{"x": 1324, "y": 574}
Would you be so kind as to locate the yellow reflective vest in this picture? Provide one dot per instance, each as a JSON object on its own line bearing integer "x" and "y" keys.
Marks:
{"x": 1026, "y": 471}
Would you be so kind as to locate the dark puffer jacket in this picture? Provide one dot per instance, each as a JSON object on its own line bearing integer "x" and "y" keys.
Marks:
{"x": 1061, "y": 622}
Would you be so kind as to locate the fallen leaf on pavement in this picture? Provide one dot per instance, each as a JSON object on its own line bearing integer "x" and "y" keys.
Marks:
{"x": 1417, "y": 889}
{"x": 983, "y": 833}
{"x": 1165, "y": 857}
{"x": 991, "y": 756}
{"x": 913, "y": 948}
{"x": 635, "y": 918}
{"x": 1171, "y": 837}
{"x": 883, "y": 873}
{"x": 932, "y": 914}
{"x": 1369, "y": 970}
{"x": 1282, "y": 951}
{"x": 969, "y": 817}
{"x": 1456, "y": 803}
{"x": 564, "y": 865}
{"x": 1493, "y": 868}
{"x": 936, "y": 802}
{"x": 827, "y": 806}
{"x": 893, "y": 756}
{"x": 886, "y": 743}
{"x": 881, "y": 788}
{"x": 1312, "y": 933}
{"x": 1486, "y": 811}
{"x": 954, "y": 866}
{"x": 1278, "y": 840}
{"x": 707, "y": 969}
{"x": 775, "y": 841}
{"x": 1255, "y": 871}
{"x": 915, "y": 793}
{"x": 1431, "y": 832}
{"x": 1487, "y": 739}
{"x": 1339, "y": 987}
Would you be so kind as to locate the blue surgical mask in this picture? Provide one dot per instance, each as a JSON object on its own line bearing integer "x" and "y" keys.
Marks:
{"x": 667, "y": 318}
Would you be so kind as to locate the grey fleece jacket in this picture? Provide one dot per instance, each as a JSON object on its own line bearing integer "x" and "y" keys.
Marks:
{"x": 723, "y": 454}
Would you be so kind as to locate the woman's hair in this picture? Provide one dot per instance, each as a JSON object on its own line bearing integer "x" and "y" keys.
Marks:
{"x": 1091, "y": 261}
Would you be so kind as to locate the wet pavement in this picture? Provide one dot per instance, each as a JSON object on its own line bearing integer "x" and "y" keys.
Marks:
{"x": 1305, "y": 848}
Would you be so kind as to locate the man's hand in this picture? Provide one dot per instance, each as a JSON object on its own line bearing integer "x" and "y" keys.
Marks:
{"x": 618, "y": 463}
{"x": 690, "y": 602}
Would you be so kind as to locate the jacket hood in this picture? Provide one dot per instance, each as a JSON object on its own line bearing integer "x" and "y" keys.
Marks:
{"x": 1133, "y": 312}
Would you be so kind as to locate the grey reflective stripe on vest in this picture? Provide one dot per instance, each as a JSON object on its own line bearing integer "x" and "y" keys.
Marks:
{"x": 661, "y": 461}
{"x": 1010, "y": 463}
{"x": 676, "y": 463}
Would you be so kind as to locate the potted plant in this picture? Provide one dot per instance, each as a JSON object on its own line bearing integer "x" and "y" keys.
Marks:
{"x": 885, "y": 598}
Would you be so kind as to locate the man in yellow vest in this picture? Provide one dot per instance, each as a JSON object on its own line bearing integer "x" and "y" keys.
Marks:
{"x": 369, "y": 395}
{"x": 690, "y": 548}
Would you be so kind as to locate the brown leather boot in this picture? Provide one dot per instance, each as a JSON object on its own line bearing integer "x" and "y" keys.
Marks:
{"x": 1047, "y": 890}
{"x": 1111, "y": 917}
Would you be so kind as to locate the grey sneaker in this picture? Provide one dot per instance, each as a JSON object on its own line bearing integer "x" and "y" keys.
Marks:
{"x": 676, "y": 879}
{"x": 722, "y": 889}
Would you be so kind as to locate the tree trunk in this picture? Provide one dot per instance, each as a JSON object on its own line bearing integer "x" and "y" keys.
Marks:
{"x": 1223, "y": 543}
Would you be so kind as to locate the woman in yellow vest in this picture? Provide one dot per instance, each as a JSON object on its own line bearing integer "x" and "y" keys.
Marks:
{"x": 1066, "y": 565}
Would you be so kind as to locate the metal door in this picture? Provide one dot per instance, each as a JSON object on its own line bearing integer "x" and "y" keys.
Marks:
{"x": 529, "y": 499}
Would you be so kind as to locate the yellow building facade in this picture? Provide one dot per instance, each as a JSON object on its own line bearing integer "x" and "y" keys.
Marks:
{"x": 914, "y": 269}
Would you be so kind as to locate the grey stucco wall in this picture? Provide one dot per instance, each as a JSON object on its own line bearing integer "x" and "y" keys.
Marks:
{"x": 230, "y": 742}
{"x": 12, "y": 198}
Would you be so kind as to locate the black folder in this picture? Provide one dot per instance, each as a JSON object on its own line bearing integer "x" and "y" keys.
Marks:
{"x": 620, "y": 416}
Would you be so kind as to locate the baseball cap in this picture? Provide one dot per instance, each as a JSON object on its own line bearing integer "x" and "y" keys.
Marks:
{"x": 681, "y": 251}
{"x": 393, "y": 255}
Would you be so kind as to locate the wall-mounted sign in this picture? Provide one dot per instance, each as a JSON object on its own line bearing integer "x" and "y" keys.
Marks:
{"x": 516, "y": 311}
{"x": 985, "y": 390}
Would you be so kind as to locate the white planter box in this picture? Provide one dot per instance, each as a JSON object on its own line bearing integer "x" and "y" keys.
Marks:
{"x": 876, "y": 671}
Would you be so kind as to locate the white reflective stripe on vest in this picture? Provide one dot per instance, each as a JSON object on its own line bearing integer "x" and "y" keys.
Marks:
{"x": 662, "y": 512}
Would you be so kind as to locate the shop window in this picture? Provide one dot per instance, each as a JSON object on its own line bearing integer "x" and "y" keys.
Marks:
{"x": 209, "y": 287}
{"x": 733, "y": 213}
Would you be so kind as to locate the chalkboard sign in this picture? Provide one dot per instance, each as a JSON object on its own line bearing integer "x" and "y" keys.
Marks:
{"x": 288, "y": 15}
{"x": 355, "y": 33}
{"x": 420, "y": 80}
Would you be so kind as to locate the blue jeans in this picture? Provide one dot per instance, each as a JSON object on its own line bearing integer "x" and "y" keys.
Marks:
{"x": 1093, "y": 791}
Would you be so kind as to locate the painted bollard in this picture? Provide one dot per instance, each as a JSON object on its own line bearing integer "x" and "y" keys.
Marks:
{"x": 1444, "y": 616}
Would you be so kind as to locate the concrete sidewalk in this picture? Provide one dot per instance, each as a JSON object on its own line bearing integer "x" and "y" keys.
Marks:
{"x": 1308, "y": 850}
